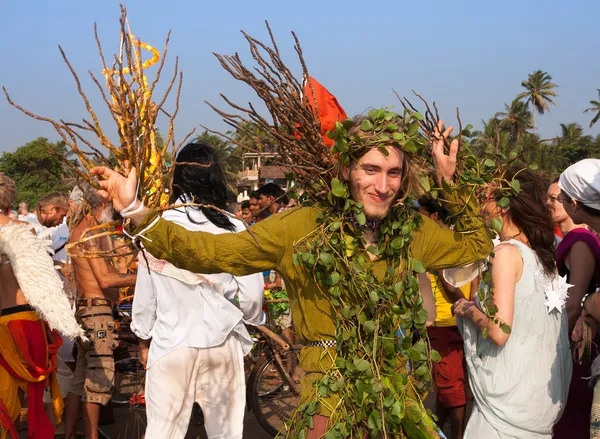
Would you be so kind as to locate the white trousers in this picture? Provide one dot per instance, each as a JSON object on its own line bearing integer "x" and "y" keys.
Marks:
{"x": 212, "y": 377}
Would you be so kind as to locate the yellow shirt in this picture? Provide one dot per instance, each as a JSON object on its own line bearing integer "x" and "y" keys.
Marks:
{"x": 443, "y": 304}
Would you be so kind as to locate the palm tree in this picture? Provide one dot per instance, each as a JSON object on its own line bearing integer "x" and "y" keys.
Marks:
{"x": 573, "y": 144}
{"x": 539, "y": 92}
{"x": 516, "y": 117}
{"x": 595, "y": 107}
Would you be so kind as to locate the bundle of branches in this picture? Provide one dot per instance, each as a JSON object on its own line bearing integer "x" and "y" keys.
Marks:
{"x": 129, "y": 97}
{"x": 294, "y": 125}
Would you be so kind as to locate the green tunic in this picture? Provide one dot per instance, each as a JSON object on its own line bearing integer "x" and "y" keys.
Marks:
{"x": 270, "y": 246}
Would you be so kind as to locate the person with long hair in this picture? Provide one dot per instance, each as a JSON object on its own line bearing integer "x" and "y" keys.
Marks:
{"x": 578, "y": 258}
{"x": 192, "y": 336}
{"x": 520, "y": 378}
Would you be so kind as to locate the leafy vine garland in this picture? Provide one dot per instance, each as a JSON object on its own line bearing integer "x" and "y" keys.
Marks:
{"x": 380, "y": 392}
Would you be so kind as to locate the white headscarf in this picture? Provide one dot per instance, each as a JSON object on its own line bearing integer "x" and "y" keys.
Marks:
{"x": 581, "y": 182}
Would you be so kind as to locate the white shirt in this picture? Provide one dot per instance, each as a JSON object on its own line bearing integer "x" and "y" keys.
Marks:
{"x": 176, "y": 314}
{"x": 59, "y": 236}
{"x": 31, "y": 219}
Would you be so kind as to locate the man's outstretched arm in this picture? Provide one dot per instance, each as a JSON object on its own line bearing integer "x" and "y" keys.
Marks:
{"x": 236, "y": 253}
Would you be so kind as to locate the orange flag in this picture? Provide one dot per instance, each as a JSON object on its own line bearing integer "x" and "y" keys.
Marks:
{"x": 330, "y": 111}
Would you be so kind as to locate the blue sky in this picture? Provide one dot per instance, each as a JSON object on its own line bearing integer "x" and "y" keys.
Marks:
{"x": 470, "y": 54}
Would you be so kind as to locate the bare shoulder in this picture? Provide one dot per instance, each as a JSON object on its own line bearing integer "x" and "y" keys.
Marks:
{"x": 506, "y": 253}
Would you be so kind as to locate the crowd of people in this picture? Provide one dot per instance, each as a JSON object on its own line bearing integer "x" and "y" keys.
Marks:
{"x": 203, "y": 275}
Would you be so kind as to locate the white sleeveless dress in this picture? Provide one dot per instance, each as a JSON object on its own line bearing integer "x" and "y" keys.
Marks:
{"x": 520, "y": 388}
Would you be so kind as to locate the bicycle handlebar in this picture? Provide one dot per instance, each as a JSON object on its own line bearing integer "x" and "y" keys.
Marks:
{"x": 280, "y": 341}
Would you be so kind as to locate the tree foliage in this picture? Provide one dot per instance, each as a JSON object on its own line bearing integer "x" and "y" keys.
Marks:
{"x": 539, "y": 92}
{"x": 595, "y": 107}
{"x": 37, "y": 168}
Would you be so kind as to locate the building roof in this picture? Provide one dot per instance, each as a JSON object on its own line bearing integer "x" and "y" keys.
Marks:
{"x": 272, "y": 172}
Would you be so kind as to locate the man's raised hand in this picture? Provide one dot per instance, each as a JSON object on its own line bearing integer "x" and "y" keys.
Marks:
{"x": 116, "y": 188}
{"x": 445, "y": 165}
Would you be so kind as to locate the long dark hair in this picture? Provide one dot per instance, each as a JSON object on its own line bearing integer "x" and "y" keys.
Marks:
{"x": 204, "y": 184}
{"x": 531, "y": 214}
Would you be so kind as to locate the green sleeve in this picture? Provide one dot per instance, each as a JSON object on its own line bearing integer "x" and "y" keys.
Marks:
{"x": 259, "y": 248}
{"x": 439, "y": 248}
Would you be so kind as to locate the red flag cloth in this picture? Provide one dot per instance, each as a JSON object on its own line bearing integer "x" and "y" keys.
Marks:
{"x": 330, "y": 111}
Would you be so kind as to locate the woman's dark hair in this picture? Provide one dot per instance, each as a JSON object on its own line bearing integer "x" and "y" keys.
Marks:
{"x": 432, "y": 206}
{"x": 205, "y": 184}
{"x": 530, "y": 213}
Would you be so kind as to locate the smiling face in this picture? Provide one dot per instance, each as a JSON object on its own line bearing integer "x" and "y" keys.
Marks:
{"x": 559, "y": 214}
{"x": 375, "y": 181}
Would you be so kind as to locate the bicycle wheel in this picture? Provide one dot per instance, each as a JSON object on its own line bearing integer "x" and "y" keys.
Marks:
{"x": 272, "y": 398}
{"x": 128, "y": 399}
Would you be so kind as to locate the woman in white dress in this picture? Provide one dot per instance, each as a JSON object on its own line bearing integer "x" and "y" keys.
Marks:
{"x": 520, "y": 378}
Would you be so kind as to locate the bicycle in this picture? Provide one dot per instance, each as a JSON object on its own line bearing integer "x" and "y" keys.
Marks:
{"x": 273, "y": 386}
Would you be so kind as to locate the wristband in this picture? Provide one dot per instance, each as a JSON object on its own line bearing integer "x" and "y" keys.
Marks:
{"x": 128, "y": 212}
{"x": 583, "y": 300}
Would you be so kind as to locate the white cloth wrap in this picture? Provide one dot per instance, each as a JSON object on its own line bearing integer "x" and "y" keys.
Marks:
{"x": 581, "y": 182}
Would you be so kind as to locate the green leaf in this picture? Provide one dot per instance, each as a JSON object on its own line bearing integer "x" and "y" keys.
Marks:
{"x": 324, "y": 391}
{"x": 332, "y": 134}
{"x": 418, "y": 115}
{"x": 398, "y": 136}
{"x": 326, "y": 257}
{"x": 334, "y": 278}
{"x": 361, "y": 219}
{"x": 425, "y": 183}
{"x": 421, "y": 317}
{"x": 397, "y": 243}
{"x": 489, "y": 163}
{"x": 398, "y": 287}
{"x": 435, "y": 356}
{"x": 513, "y": 155}
{"x": 334, "y": 226}
{"x": 391, "y": 127}
{"x": 504, "y": 202}
{"x": 372, "y": 114}
{"x": 418, "y": 266}
{"x": 396, "y": 309}
{"x": 413, "y": 128}
{"x": 411, "y": 146}
{"x": 382, "y": 149}
{"x": 369, "y": 328}
{"x": 421, "y": 370}
{"x": 347, "y": 124}
{"x": 484, "y": 333}
{"x": 505, "y": 328}
{"x": 533, "y": 166}
{"x": 413, "y": 413}
{"x": 497, "y": 224}
{"x": 362, "y": 365}
{"x": 338, "y": 188}
{"x": 516, "y": 185}
{"x": 373, "y": 250}
{"x": 374, "y": 296}
{"x": 366, "y": 125}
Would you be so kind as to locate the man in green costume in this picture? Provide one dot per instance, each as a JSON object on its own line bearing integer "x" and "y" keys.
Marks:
{"x": 375, "y": 179}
